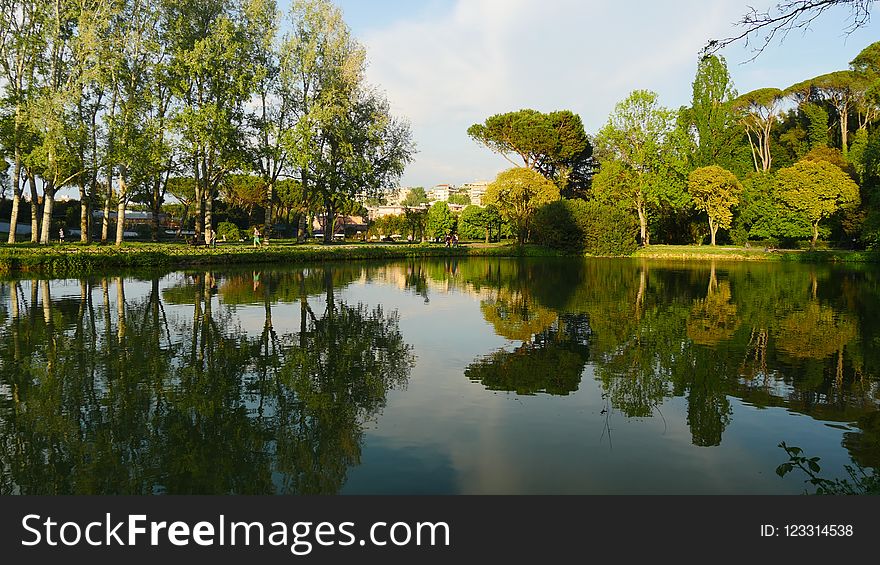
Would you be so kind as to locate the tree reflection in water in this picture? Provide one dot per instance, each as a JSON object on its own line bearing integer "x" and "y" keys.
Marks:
{"x": 262, "y": 381}
{"x": 761, "y": 333}
{"x": 102, "y": 399}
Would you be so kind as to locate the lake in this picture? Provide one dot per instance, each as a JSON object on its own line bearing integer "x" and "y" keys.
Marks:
{"x": 451, "y": 376}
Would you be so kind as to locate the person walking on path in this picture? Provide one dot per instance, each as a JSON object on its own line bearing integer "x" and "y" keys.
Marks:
{"x": 61, "y": 235}
{"x": 256, "y": 237}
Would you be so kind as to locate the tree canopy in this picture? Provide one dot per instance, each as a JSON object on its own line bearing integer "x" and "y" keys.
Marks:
{"x": 518, "y": 193}
{"x": 640, "y": 140}
{"x": 553, "y": 144}
{"x": 715, "y": 191}
{"x": 816, "y": 190}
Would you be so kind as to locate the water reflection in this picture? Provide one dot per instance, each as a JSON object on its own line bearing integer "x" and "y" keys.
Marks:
{"x": 263, "y": 381}
{"x": 768, "y": 334}
{"x": 111, "y": 394}
{"x": 551, "y": 363}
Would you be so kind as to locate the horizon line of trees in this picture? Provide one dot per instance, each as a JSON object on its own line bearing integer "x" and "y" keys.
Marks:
{"x": 771, "y": 164}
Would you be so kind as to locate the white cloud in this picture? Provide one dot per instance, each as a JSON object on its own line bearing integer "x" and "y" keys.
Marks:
{"x": 489, "y": 56}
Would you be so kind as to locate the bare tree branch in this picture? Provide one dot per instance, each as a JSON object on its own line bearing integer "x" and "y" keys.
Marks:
{"x": 760, "y": 28}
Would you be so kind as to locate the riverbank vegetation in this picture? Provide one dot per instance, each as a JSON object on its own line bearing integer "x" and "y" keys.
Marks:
{"x": 77, "y": 259}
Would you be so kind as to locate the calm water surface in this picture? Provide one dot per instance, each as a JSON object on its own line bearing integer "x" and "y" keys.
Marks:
{"x": 452, "y": 376}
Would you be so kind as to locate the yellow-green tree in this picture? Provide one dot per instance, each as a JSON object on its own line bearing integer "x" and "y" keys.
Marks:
{"x": 715, "y": 191}
{"x": 815, "y": 190}
{"x": 518, "y": 193}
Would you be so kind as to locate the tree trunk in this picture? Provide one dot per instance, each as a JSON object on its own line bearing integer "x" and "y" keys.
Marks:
{"x": 154, "y": 225}
{"x": 714, "y": 229}
{"x": 13, "y": 217}
{"x": 270, "y": 190}
{"x": 16, "y": 199}
{"x": 844, "y": 125}
{"x": 643, "y": 226}
{"x": 35, "y": 209}
{"x": 48, "y": 204}
{"x": 487, "y": 234}
{"x": 84, "y": 212}
{"x": 815, "y": 236}
{"x": 329, "y": 220}
{"x": 209, "y": 211}
{"x": 155, "y": 208}
{"x": 105, "y": 222}
{"x": 199, "y": 196}
{"x": 120, "y": 217}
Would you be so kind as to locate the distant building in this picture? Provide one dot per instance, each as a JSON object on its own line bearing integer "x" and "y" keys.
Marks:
{"x": 440, "y": 193}
{"x": 345, "y": 225}
{"x": 374, "y": 212}
{"x": 475, "y": 190}
{"x": 396, "y": 196}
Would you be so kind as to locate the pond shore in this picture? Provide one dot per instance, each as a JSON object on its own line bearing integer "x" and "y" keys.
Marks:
{"x": 731, "y": 253}
{"x": 77, "y": 258}
{"x": 58, "y": 259}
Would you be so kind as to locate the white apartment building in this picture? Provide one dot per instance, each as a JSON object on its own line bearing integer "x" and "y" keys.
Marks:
{"x": 440, "y": 193}
{"x": 395, "y": 196}
{"x": 475, "y": 190}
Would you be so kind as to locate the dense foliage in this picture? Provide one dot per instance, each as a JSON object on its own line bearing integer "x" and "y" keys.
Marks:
{"x": 240, "y": 112}
{"x": 586, "y": 227}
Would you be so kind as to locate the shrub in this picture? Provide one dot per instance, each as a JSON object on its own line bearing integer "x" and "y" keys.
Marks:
{"x": 229, "y": 230}
{"x": 586, "y": 227}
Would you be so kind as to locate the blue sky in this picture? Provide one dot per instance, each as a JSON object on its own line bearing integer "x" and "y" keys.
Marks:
{"x": 446, "y": 64}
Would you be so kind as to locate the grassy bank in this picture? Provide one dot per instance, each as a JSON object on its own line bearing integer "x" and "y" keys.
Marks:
{"x": 75, "y": 259}
{"x": 83, "y": 259}
{"x": 703, "y": 253}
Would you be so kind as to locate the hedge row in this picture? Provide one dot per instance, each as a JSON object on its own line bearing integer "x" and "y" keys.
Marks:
{"x": 578, "y": 226}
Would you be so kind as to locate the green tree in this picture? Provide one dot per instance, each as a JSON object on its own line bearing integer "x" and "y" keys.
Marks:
{"x": 212, "y": 70}
{"x": 518, "y": 193}
{"x": 272, "y": 122}
{"x": 817, "y": 130}
{"x": 476, "y": 222}
{"x": 347, "y": 143}
{"x": 586, "y": 227}
{"x": 440, "y": 221}
{"x": 758, "y": 209}
{"x": 415, "y": 220}
{"x": 55, "y": 94}
{"x": 757, "y": 112}
{"x": 867, "y": 65}
{"x": 137, "y": 150}
{"x": 815, "y": 190}
{"x": 842, "y": 90}
{"x": 415, "y": 197}
{"x": 553, "y": 144}
{"x": 245, "y": 192}
{"x": 711, "y": 117}
{"x": 639, "y": 140}
{"x": 462, "y": 199}
{"x": 715, "y": 191}
{"x": 22, "y": 25}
